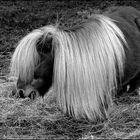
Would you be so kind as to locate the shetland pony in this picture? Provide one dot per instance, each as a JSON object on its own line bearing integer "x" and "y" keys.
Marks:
{"x": 85, "y": 64}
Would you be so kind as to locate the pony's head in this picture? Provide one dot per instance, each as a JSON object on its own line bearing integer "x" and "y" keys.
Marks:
{"x": 81, "y": 63}
{"x": 42, "y": 80}
{"x": 32, "y": 61}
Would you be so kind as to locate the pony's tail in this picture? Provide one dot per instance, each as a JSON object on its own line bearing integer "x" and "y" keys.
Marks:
{"x": 26, "y": 56}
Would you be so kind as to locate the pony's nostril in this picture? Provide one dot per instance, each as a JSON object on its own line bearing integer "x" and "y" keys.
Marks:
{"x": 21, "y": 93}
{"x": 32, "y": 95}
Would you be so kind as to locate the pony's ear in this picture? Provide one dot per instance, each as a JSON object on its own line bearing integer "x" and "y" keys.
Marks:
{"x": 44, "y": 44}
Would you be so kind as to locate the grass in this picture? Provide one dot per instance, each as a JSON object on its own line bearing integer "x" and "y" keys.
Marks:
{"x": 26, "y": 119}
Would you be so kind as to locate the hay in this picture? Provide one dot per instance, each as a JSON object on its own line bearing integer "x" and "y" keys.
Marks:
{"x": 27, "y": 119}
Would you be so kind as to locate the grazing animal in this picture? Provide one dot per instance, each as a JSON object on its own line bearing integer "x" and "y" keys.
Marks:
{"x": 85, "y": 64}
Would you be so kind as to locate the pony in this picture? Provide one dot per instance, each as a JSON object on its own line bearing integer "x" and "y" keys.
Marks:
{"x": 85, "y": 65}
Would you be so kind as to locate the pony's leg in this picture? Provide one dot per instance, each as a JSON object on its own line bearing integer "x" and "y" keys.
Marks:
{"x": 134, "y": 83}
{"x": 121, "y": 90}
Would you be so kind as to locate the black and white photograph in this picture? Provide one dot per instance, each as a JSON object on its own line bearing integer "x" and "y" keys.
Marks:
{"x": 69, "y": 69}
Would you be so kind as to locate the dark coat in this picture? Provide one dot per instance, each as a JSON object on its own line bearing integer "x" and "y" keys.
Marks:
{"x": 128, "y": 20}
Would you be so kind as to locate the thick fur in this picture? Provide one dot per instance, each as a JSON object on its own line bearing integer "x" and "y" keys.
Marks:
{"x": 127, "y": 19}
{"x": 90, "y": 61}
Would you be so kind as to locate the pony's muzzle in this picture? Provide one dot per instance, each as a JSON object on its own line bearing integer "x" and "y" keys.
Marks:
{"x": 18, "y": 93}
{"x": 27, "y": 92}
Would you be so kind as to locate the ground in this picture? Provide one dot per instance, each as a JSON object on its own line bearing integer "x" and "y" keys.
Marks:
{"x": 23, "y": 118}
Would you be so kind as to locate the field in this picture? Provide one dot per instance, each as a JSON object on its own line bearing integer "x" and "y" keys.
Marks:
{"x": 26, "y": 119}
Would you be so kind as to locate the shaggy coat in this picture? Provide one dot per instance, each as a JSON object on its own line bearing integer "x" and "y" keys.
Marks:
{"x": 85, "y": 64}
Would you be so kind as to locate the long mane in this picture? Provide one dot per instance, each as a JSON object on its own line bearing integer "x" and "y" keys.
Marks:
{"x": 87, "y": 61}
{"x": 26, "y": 57}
